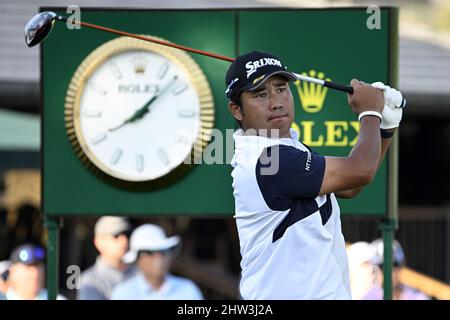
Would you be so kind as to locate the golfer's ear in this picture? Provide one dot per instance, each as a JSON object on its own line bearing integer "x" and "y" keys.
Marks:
{"x": 235, "y": 110}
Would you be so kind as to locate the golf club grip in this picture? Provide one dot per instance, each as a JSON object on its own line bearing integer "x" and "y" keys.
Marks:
{"x": 338, "y": 86}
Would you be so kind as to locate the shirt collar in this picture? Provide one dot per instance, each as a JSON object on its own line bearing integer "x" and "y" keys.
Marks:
{"x": 147, "y": 288}
{"x": 241, "y": 140}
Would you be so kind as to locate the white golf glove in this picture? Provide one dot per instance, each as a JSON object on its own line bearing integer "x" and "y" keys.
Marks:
{"x": 393, "y": 104}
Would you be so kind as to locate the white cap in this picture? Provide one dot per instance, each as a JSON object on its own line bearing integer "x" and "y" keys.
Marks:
{"x": 149, "y": 237}
{"x": 378, "y": 250}
{"x": 359, "y": 252}
{"x": 111, "y": 225}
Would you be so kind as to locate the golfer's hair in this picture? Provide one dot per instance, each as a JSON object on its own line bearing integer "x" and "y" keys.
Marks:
{"x": 237, "y": 100}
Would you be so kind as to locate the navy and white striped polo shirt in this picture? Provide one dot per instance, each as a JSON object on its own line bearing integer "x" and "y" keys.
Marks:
{"x": 291, "y": 241}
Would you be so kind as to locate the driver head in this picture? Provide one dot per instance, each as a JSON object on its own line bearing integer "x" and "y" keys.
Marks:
{"x": 38, "y": 28}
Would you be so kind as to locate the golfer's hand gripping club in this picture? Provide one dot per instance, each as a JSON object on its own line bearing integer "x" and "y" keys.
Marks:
{"x": 393, "y": 106}
{"x": 392, "y": 97}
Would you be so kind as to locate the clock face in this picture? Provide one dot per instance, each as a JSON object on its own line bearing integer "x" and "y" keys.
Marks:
{"x": 138, "y": 114}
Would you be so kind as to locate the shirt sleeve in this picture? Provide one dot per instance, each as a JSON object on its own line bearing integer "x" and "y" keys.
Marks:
{"x": 196, "y": 294}
{"x": 285, "y": 173}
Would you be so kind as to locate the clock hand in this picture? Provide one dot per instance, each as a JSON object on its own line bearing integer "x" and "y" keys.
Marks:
{"x": 138, "y": 114}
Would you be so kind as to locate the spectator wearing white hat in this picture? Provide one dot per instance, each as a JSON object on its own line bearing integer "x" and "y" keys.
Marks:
{"x": 152, "y": 252}
{"x": 362, "y": 272}
{"x": 400, "y": 291}
{"x": 111, "y": 241}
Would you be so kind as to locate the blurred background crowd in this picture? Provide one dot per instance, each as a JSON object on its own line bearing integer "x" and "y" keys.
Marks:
{"x": 136, "y": 265}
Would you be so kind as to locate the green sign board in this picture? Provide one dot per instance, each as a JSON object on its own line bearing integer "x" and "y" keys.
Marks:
{"x": 333, "y": 44}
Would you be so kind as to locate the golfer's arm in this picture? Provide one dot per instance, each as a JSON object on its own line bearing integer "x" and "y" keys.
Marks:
{"x": 359, "y": 168}
{"x": 347, "y": 194}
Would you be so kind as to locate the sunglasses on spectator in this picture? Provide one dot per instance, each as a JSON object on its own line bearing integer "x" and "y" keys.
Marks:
{"x": 153, "y": 252}
{"x": 395, "y": 264}
{"x": 124, "y": 233}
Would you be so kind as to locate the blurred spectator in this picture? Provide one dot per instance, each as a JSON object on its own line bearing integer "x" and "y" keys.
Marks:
{"x": 26, "y": 274}
{"x": 362, "y": 272}
{"x": 111, "y": 241}
{"x": 152, "y": 252}
{"x": 4, "y": 275}
{"x": 400, "y": 291}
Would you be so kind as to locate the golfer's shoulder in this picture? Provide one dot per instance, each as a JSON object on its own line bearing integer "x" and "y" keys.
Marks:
{"x": 286, "y": 157}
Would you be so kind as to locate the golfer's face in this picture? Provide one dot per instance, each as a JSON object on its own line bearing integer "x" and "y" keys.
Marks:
{"x": 270, "y": 107}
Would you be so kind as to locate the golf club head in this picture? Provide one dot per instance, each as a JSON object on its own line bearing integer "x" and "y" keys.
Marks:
{"x": 38, "y": 28}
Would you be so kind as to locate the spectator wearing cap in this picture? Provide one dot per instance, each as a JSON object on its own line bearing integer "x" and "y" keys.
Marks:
{"x": 4, "y": 275}
{"x": 111, "y": 241}
{"x": 26, "y": 274}
{"x": 400, "y": 291}
{"x": 362, "y": 272}
{"x": 152, "y": 252}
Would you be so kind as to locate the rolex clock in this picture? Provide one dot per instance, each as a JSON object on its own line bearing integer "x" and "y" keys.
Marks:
{"x": 139, "y": 112}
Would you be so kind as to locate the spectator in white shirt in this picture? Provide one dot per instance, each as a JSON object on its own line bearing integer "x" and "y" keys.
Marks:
{"x": 152, "y": 252}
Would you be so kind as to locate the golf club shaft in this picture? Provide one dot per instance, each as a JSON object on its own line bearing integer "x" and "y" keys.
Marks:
{"x": 328, "y": 84}
{"x": 164, "y": 43}
{"x": 325, "y": 83}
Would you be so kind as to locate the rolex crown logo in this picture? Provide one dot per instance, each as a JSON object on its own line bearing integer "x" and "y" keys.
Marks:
{"x": 312, "y": 95}
{"x": 140, "y": 64}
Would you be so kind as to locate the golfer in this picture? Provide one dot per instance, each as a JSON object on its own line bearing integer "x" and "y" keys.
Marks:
{"x": 287, "y": 215}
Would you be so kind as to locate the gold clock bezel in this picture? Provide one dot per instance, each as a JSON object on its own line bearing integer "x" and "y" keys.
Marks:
{"x": 86, "y": 69}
